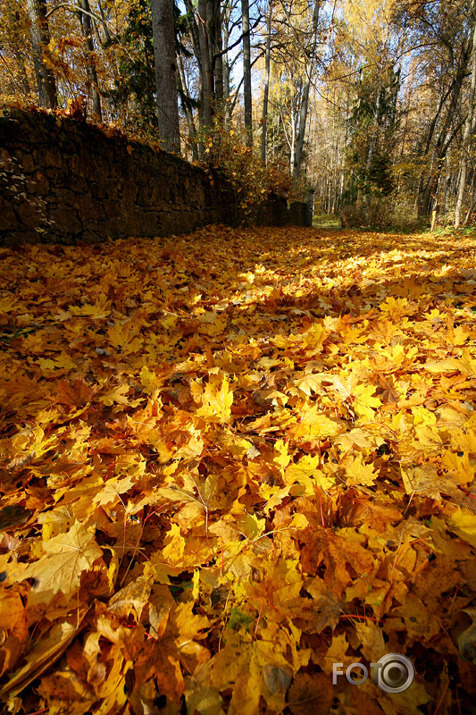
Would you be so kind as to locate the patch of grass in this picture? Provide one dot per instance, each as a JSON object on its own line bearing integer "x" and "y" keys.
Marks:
{"x": 327, "y": 221}
{"x": 466, "y": 231}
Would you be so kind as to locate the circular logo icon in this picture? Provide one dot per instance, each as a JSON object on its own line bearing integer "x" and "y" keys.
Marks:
{"x": 394, "y": 673}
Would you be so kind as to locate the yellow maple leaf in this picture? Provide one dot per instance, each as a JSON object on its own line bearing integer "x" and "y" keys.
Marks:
{"x": 466, "y": 364}
{"x": 66, "y": 557}
{"x": 423, "y": 416}
{"x": 116, "y": 395}
{"x": 463, "y": 523}
{"x": 150, "y": 381}
{"x": 336, "y": 653}
{"x": 112, "y": 489}
{"x": 314, "y": 338}
{"x": 358, "y": 473}
{"x": 307, "y": 473}
{"x": 131, "y": 599}
{"x": 459, "y": 335}
{"x": 62, "y": 363}
{"x": 314, "y": 424}
{"x": 216, "y": 401}
{"x": 422, "y": 481}
{"x": 364, "y": 403}
{"x": 428, "y": 438}
{"x": 282, "y": 456}
{"x": 371, "y": 638}
{"x": 357, "y": 437}
{"x": 459, "y": 466}
{"x": 7, "y": 303}
{"x": 43, "y": 654}
{"x": 395, "y": 307}
{"x": 212, "y": 324}
{"x": 124, "y": 336}
{"x": 98, "y": 310}
{"x": 175, "y": 545}
{"x": 190, "y": 625}
{"x": 250, "y": 526}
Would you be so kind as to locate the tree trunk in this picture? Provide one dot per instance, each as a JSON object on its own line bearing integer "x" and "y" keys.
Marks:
{"x": 225, "y": 61}
{"x": 86, "y": 25}
{"x": 292, "y": 145}
{"x": 40, "y": 37}
{"x": 216, "y": 56}
{"x": 206, "y": 82}
{"x": 245, "y": 11}
{"x": 267, "y": 73}
{"x": 472, "y": 202}
{"x": 165, "y": 73}
{"x": 187, "y": 108}
{"x": 444, "y": 138}
{"x": 305, "y": 95}
{"x": 469, "y": 127}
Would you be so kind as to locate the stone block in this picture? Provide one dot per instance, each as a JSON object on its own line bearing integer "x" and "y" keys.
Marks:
{"x": 65, "y": 220}
{"x": 51, "y": 158}
{"x": 31, "y": 214}
{"x": 7, "y": 215}
{"x": 38, "y": 184}
{"x": 26, "y": 161}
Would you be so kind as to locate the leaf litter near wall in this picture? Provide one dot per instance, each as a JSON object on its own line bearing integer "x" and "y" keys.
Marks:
{"x": 221, "y": 473}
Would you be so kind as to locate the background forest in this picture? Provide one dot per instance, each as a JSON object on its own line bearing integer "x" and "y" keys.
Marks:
{"x": 372, "y": 103}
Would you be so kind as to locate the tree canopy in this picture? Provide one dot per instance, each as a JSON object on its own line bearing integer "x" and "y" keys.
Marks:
{"x": 370, "y": 103}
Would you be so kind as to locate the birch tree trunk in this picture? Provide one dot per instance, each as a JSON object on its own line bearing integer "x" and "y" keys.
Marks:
{"x": 469, "y": 126}
{"x": 187, "y": 108}
{"x": 165, "y": 73}
{"x": 245, "y": 11}
{"x": 225, "y": 61}
{"x": 216, "y": 46}
{"x": 301, "y": 132}
{"x": 267, "y": 73}
{"x": 40, "y": 37}
{"x": 206, "y": 83}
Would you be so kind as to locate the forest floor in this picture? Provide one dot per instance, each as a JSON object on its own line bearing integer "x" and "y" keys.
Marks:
{"x": 231, "y": 460}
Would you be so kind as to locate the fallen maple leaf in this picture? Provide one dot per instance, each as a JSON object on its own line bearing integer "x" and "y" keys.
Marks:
{"x": 59, "y": 570}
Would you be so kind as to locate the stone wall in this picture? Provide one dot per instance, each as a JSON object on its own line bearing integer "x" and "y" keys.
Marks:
{"x": 64, "y": 181}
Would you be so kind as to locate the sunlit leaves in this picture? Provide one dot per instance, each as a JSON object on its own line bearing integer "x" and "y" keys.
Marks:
{"x": 239, "y": 482}
{"x": 216, "y": 399}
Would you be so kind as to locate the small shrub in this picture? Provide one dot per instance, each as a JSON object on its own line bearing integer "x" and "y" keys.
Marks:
{"x": 225, "y": 152}
{"x": 393, "y": 212}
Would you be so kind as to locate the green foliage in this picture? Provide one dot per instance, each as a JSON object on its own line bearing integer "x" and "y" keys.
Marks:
{"x": 134, "y": 91}
{"x": 135, "y": 85}
{"x": 395, "y": 212}
{"x": 372, "y": 127}
{"x": 466, "y": 232}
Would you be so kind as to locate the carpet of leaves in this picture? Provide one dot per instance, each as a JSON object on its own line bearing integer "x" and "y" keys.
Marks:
{"x": 230, "y": 460}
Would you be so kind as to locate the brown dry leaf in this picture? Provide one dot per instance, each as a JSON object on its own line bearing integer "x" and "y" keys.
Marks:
{"x": 46, "y": 651}
{"x": 310, "y": 694}
{"x": 74, "y": 392}
{"x": 131, "y": 599}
